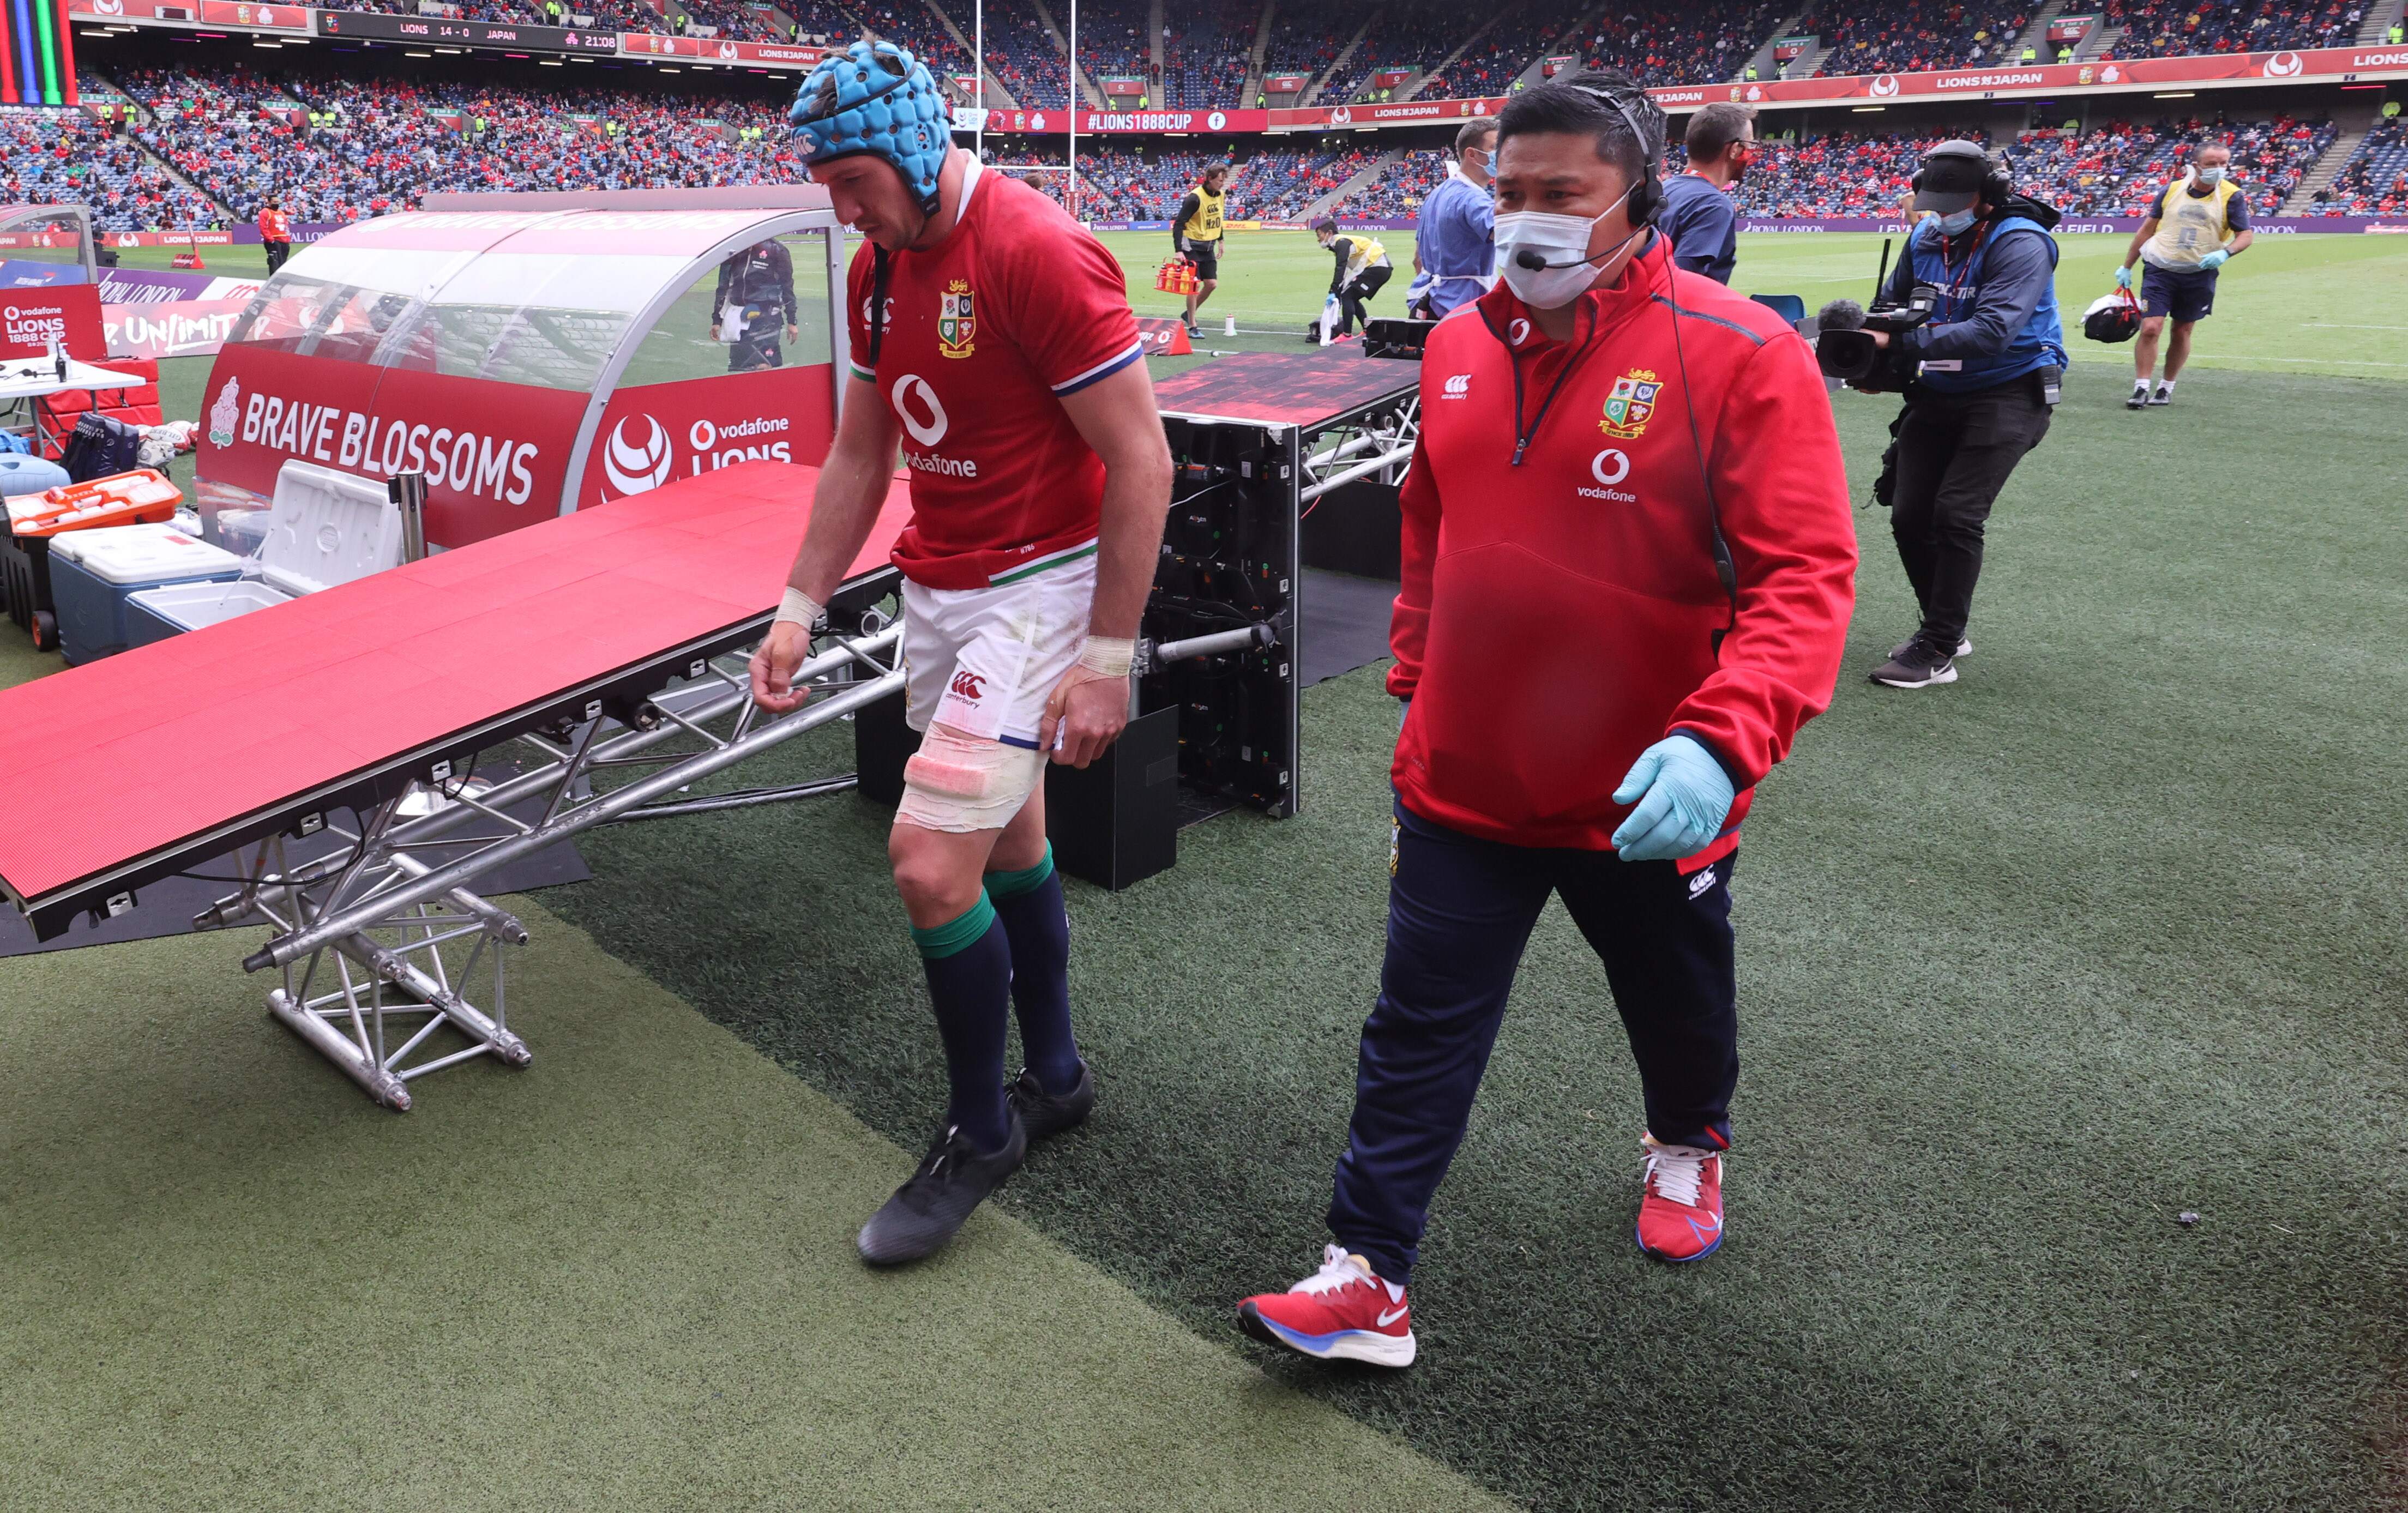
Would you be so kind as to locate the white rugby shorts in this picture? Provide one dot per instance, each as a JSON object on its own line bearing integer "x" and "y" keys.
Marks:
{"x": 984, "y": 661}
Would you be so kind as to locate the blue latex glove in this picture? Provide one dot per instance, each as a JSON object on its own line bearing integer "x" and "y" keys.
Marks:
{"x": 1688, "y": 795}
{"x": 2215, "y": 259}
{"x": 2123, "y": 278}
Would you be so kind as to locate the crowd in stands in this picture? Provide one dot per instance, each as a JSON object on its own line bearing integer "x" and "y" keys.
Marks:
{"x": 1121, "y": 182}
{"x": 1307, "y": 36}
{"x": 1664, "y": 44}
{"x": 2374, "y": 181}
{"x": 2113, "y": 171}
{"x": 1402, "y": 35}
{"x": 911, "y": 23}
{"x": 1112, "y": 43}
{"x": 1024, "y": 56}
{"x": 1498, "y": 56}
{"x": 820, "y": 18}
{"x": 1204, "y": 52}
{"x": 2168, "y": 28}
{"x": 1401, "y": 187}
{"x": 1897, "y": 37}
{"x": 604, "y": 15}
{"x": 65, "y": 157}
{"x": 728, "y": 19}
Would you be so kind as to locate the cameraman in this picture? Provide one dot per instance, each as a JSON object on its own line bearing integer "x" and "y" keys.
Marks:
{"x": 1985, "y": 375}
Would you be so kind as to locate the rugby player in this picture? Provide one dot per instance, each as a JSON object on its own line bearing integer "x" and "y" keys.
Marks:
{"x": 993, "y": 341}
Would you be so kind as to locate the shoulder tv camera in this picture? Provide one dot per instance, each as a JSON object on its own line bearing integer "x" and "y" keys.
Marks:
{"x": 1844, "y": 347}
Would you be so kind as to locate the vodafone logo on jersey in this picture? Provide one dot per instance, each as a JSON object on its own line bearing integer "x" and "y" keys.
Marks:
{"x": 922, "y": 412}
{"x": 1608, "y": 468}
{"x": 637, "y": 461}
{"x": 925, "y": 421}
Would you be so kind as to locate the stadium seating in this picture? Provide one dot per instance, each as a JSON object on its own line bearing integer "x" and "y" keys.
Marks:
{"x": 1664, "y": 44}
{"x": 1403, "y": 34}
{"x": 1021, "y": 55}
{"x": 1306, "y": 36}
{"x": 1897, "y": 37}
{"x": 730, "y": 18}
{"x": 2113, "y": 171}
{"x": 2374, "y": 181}
{"x": 65, "y": 157}
{"x": 2167, "y": 28}
{"x": 821, "y": 17}
{"x": 1204, "y": 52}
{"x": 1112, "y": 43}
{"x": 1399, "y": 190}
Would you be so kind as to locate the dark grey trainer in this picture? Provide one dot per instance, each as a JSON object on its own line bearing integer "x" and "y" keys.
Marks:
{"x": 1964, "y": 649}
{"x": 953, "y": 1179}
{"x": 1920, "y": 666}
{"x": 1050, "y": 1113}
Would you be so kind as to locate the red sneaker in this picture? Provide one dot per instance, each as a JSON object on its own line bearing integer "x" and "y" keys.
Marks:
{"x": 1680, "y": 1217}
{"x": 1342, "y": 1312}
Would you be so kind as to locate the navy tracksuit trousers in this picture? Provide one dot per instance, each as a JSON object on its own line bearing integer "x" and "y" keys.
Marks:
{"x": 1460, "y": 910}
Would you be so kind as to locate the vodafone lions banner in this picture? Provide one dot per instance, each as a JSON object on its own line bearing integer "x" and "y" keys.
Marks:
{"x": 659, "y": 433}
{"x": 68, "y": 314}
{"x": 494, "y": 454}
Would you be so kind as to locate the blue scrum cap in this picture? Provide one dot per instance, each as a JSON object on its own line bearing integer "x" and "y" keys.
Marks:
{"x": 876, "y": 97}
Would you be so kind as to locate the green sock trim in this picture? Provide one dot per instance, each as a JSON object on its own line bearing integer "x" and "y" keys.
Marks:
{"x": 1013, "y": 884}
{"x": 955, "y": 935}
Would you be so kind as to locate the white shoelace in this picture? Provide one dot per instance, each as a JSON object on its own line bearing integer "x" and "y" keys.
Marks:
{"x": 1677, "y": 1170}
{"x": 1338, "y": 1271}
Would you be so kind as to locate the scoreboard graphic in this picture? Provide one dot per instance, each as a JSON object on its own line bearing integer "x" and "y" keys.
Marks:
{"x": 36, "y": 54}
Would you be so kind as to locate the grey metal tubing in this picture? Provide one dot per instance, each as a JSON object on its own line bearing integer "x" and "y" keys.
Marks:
{"x": 1344, "y": 448}
{"x": 751, "y": 798}
{"x": 418, "y": 832}
{"x": 328, "y": 929}
{"x": 499, "y": 922}
{"x": 351, "y": 1060}
{"x": 1205, "y": 646}
{"x": 1401, "y": 455}
{"x": 386, "y": 963}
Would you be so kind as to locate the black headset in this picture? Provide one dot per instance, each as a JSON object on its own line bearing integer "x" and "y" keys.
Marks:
{"x": 1996, "y": 185}
{"x": 1646, "y": 198}
{"x": 1647, "y": 195}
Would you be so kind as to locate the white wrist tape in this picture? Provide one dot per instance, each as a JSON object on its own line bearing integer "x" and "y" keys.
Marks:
{"x": 1107, "y": 655}
{"x": 801, "y": 609}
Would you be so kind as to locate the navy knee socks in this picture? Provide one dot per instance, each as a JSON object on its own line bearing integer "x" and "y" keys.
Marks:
{"x": 969, "y": 962}
{"x": 1029, "y": 903}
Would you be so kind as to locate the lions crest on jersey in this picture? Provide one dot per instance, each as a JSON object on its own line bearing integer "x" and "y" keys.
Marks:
{"x": 955, "y": 324}
{"x": 1632, "y": 401}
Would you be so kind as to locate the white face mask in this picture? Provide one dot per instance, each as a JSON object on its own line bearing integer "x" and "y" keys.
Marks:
{"x": 2208, "y": 175}
{"x": 1561, "y": 243}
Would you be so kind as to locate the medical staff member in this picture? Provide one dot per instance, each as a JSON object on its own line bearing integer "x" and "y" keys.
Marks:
{"x": 2199, "y": 223}
{"x": 755, "y": 298}
{"x": 1452, "y": 249}
{"x": 1628, "y": 572}
{"x": 1197, "y": 232}
{"x": 1698, "y": 213}
{"x": 993, "y": 340}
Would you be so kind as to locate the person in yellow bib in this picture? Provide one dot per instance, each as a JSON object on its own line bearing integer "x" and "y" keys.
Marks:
{"x": 1362, "y": 269}
{"x": 2198, "y": 223}
{"x": 1195, "y": 234}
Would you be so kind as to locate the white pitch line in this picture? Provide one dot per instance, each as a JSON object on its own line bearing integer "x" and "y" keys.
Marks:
{"x": 2336, "y": 325}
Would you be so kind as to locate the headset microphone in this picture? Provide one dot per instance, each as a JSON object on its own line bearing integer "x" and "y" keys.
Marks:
{"x": 1535, "y": 264}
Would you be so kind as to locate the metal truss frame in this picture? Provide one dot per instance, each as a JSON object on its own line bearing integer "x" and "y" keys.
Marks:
{"x": 1377, "y": 441}
{"x": 379, "y": 942}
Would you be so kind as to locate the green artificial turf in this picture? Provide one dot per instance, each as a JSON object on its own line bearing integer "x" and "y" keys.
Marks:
{"x": 623, "y": 1278}
{"x": 2109, "y": 931}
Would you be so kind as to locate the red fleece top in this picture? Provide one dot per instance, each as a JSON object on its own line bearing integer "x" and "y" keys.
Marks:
{"x": 1559, "y": 616}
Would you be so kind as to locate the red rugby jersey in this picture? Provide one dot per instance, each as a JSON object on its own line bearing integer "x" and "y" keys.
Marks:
{"x": 986, "y": 332}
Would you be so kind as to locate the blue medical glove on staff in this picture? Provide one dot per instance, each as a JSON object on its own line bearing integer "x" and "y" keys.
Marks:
{"x": 2215, "y": 259}
{"x": 1688, "y": 795}
{"x": 2123, "y": 278}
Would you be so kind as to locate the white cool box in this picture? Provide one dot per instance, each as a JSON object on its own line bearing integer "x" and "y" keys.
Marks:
{"x": 324, "y": 528}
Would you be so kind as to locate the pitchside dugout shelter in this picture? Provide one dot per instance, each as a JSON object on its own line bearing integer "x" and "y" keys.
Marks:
{"x": 530, "y": 354}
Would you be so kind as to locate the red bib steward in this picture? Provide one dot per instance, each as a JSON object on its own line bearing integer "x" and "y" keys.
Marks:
{"x": 1561, "y": 608}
